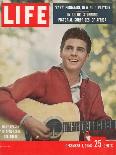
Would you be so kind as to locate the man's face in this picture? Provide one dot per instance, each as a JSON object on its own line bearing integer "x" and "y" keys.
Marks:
{"x": 74, "y": 54}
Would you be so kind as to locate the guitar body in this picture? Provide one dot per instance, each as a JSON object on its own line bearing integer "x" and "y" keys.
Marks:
{"x": 64, "y": 112}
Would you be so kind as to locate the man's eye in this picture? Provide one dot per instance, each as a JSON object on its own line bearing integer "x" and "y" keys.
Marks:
{"x": 81, "y": 49}
{"x": 68, "y": 47}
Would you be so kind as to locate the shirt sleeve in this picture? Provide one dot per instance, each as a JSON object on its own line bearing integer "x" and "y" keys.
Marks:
{"x": 97, "y": 110}
{"x": 22, "y": 88}
{"x": 98, "y": 113}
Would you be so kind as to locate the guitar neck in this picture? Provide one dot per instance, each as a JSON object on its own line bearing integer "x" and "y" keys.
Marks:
{"x": 89, "y": 125}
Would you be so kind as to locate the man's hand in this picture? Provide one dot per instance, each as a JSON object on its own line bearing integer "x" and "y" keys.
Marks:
{"x": 37, "y": 129}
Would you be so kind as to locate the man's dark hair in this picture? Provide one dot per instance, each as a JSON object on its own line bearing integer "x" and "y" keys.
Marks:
{"x": 76, "y": 33}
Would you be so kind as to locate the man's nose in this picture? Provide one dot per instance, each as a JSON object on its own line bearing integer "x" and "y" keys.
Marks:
{"x": 74, "y": 52}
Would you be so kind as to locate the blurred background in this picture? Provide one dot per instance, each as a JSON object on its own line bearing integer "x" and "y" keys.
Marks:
{"x": 26, "y": 50}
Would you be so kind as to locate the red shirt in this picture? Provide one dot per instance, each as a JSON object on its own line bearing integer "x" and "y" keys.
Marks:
{"x": 51, "y": 87}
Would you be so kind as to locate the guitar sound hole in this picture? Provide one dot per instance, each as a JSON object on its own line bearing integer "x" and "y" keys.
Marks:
{"x": 55, "y": 128}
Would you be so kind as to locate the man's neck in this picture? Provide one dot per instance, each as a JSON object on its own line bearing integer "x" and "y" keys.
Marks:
{"x": 72, "y": 76}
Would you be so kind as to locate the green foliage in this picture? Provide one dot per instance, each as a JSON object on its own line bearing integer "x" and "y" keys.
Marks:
{"x": 102, "y": 63}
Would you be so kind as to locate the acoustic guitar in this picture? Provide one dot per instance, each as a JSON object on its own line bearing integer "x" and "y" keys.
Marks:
{"x": 63, "y": 119}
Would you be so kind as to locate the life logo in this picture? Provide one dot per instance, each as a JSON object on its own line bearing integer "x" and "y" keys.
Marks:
{"x": 25, "y": 15}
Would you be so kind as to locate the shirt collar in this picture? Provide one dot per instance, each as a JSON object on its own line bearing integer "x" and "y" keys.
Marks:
{"x": 84, "y": 75}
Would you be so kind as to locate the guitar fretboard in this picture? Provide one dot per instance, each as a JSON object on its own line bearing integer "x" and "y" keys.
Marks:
{"x": 88, "y": 125}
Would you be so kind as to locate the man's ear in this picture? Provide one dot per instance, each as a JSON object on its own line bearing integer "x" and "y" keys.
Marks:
{"x": 87, "y": 57}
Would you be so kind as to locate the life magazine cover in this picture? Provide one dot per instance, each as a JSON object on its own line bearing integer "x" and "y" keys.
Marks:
{"x": 57, "y": 77}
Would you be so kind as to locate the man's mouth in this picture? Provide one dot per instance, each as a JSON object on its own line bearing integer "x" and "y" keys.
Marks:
{"x": 73, "y": 60}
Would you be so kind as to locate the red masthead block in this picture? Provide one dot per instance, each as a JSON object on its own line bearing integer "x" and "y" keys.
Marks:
{"x": 25, "y": 14}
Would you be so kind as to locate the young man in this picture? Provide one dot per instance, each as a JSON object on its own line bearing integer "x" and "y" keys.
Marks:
{"x": 63, "y": 83}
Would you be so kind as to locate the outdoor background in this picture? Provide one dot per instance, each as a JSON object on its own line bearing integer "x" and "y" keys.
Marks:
{"x": 26, "y": 50}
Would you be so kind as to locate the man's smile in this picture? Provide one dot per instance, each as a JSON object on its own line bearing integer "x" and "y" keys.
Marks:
{"x": 73, "y": 60}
